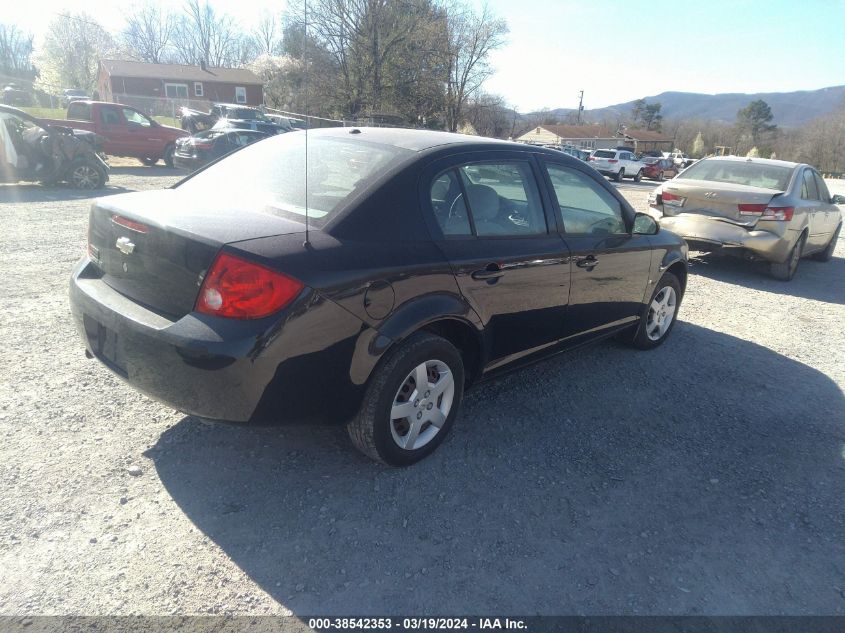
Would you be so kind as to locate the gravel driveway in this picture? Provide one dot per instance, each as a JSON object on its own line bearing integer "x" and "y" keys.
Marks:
{"x": 705, "y": 477}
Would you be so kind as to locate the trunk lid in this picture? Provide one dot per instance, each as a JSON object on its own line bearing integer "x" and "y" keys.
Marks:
{"x": 718, "y": 200}
{"x": 155, "y": 246}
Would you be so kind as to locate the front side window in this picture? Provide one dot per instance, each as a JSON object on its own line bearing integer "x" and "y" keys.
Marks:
{"x": 133, "y": 116}
{"x": 585, "y": 207}
{"x": 503, "y": 199}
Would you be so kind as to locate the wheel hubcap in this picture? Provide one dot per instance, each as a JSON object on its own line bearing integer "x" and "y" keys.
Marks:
{"x": 422, "y": 404}
{"x": 85, "y": 177}
{"x": 660, "y": 313}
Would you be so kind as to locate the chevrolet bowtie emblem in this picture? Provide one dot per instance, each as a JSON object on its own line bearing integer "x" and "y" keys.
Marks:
{"x": 124, "y": 245}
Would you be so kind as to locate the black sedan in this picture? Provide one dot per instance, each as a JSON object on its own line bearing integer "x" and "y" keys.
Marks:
{"x": 405, "y": 267}
{"x": 193, "y": 152}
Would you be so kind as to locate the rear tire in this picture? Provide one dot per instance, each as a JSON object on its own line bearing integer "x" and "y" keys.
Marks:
{"x": 785, "y": 271}
{"x": 149, "y": 162}
{"x": 659, "y": 315}
{"x": 827, "y": 254}
{"x": 379, "y": 429}
{"x": 620, "y": 175}
{"x": 661, "y": 176}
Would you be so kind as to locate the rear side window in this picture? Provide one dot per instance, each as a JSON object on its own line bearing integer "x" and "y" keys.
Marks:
{"x": 503, "y": 199}
{"x": 585, "y": 207}
{"x": 79, "y": 111}
{"x": 447, "y": 201}
{"x": 110, "y": 116}
{"x": 809, "y": 190}
{"x": 603, "y": 153}
{"x": 824, "y": 193}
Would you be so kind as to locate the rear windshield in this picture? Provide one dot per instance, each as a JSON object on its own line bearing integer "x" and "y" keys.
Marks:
{"x": 245, "y": 114}
{"x": 651, "y": 161}
{"x": 603, "y": 153}
{"x": 775, "y": 177}
{"x": 271, "y": 175}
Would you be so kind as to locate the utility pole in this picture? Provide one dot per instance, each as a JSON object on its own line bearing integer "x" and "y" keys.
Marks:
{"x": 580, "y": 106}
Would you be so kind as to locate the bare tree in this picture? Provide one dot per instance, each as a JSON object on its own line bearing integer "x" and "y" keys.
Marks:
{"x": 70, "y": 55}
{"x": 471, "y": 37}
{"x": 149, "y": 33}
{"x": 203, "y": 35}
{"x": 268, "y": 35}
{"x": 15, "y": 51}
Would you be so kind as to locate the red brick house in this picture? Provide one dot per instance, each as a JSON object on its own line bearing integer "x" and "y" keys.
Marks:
{"x": 156, "y": 88}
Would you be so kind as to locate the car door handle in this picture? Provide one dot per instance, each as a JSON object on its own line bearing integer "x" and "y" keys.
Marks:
{"x": 588, "y": 262}
{"x": 492, "y": 271}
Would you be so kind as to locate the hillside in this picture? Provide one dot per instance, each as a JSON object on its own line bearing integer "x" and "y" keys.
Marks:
{"x": 790, "y": 109}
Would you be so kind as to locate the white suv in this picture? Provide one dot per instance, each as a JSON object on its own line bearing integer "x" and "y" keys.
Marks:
{"x": 617, "y": 163}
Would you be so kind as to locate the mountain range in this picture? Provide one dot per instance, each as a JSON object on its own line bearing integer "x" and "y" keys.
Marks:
{"x": 790, "y": 109}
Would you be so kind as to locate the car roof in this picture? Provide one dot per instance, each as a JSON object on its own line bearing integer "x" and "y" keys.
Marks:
{"x": 414, "y": 140}
{"x": 762, "y": 161}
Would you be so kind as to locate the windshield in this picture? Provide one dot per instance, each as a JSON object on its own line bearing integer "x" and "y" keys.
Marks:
{"x": 271, "y": 175}
{"x": 775, "y": 177}
{"x": 247, "y": 114}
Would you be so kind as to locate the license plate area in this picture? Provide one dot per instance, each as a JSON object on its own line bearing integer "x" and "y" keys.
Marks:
{"x": 103, "y": 342}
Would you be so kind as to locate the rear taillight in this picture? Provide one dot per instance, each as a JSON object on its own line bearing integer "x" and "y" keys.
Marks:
{"x": 240, "y": 289}
{"x": 132, "y": 225}
{"x": 783, "y": 214}
{"x": 591, "y": 158}
{"x": 751, "y": 209}
{"x": 672, "y": 199}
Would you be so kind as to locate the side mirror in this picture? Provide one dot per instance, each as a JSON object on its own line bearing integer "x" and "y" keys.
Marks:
{"x": 644, "y": 224}
{"x": 837, "y": 199}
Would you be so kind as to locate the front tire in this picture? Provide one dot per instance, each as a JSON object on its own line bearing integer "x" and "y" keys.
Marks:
{"x": 620, "y": 175}
{"x": 168, "y": 155}
{"x": 86, "y": 176}
{"x": 660, "y": 314}
{"x": 827, "y": 254}
{"x": 411, "y": 402}
{"x": 785, "y": 271}
{"x": 148, "y": 161}
{"x": 639, "y": 176}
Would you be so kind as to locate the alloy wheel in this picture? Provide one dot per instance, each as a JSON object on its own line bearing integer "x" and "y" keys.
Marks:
{"x": 422, "y": 404}
{"x": 85, "y": 177}
{"x": 661, "y": 312}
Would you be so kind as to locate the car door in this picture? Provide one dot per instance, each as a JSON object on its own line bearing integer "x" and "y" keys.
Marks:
{"x": 114, "y": 129}
{"x": 831, "y": 211}
{"x": 812, "y": 205}
{"x": 139, "y": 127}
{"x": 491, "y": 222}
{"x": 610, "y": 265}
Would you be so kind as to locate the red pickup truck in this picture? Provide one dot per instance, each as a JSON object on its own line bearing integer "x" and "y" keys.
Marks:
{"x": 127, "y": 132}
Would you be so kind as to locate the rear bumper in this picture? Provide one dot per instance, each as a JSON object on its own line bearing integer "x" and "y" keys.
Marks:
{"x": 704, "y": 233}
{"x": 197, "y": 366}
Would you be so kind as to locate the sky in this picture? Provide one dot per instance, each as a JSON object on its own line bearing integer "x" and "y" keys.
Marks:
{"x": 613, "y": 50}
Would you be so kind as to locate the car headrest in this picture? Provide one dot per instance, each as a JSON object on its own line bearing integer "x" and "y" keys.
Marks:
{"x": 439, "y": 190}
{"x": 484, "y": 202}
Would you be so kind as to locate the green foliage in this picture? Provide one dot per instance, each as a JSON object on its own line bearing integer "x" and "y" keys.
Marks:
{"x": 755, "y": 119}
{"x": 647, "y": 115}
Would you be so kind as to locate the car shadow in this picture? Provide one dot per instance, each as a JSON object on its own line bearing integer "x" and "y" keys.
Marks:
{"x": 33, "y": 192}
{"x": 822, "y": 281}
{"x": 703, "y": 477}
{"x": 155, "y": 171}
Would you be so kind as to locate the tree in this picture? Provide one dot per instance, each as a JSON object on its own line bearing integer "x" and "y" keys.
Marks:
{"x": 204, "y": 36}
{"x": 755, "y": 119}
{"x": 471, "y": 37}
{"x": 148, "y": 33}
{"x": 70, "y": 55}
{"x": 698, "y": 146}
{"x": 753, "y": 153}
{"x": 268, "y": 35}
{"x": 15, "y": 51}
{"x": 647, "y": 114}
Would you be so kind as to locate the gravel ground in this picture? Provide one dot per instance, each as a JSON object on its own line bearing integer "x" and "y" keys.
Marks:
{"x": 705, "y": 477}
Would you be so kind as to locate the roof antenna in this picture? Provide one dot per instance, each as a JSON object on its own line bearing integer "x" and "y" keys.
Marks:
{"x": 307, "y": 242}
